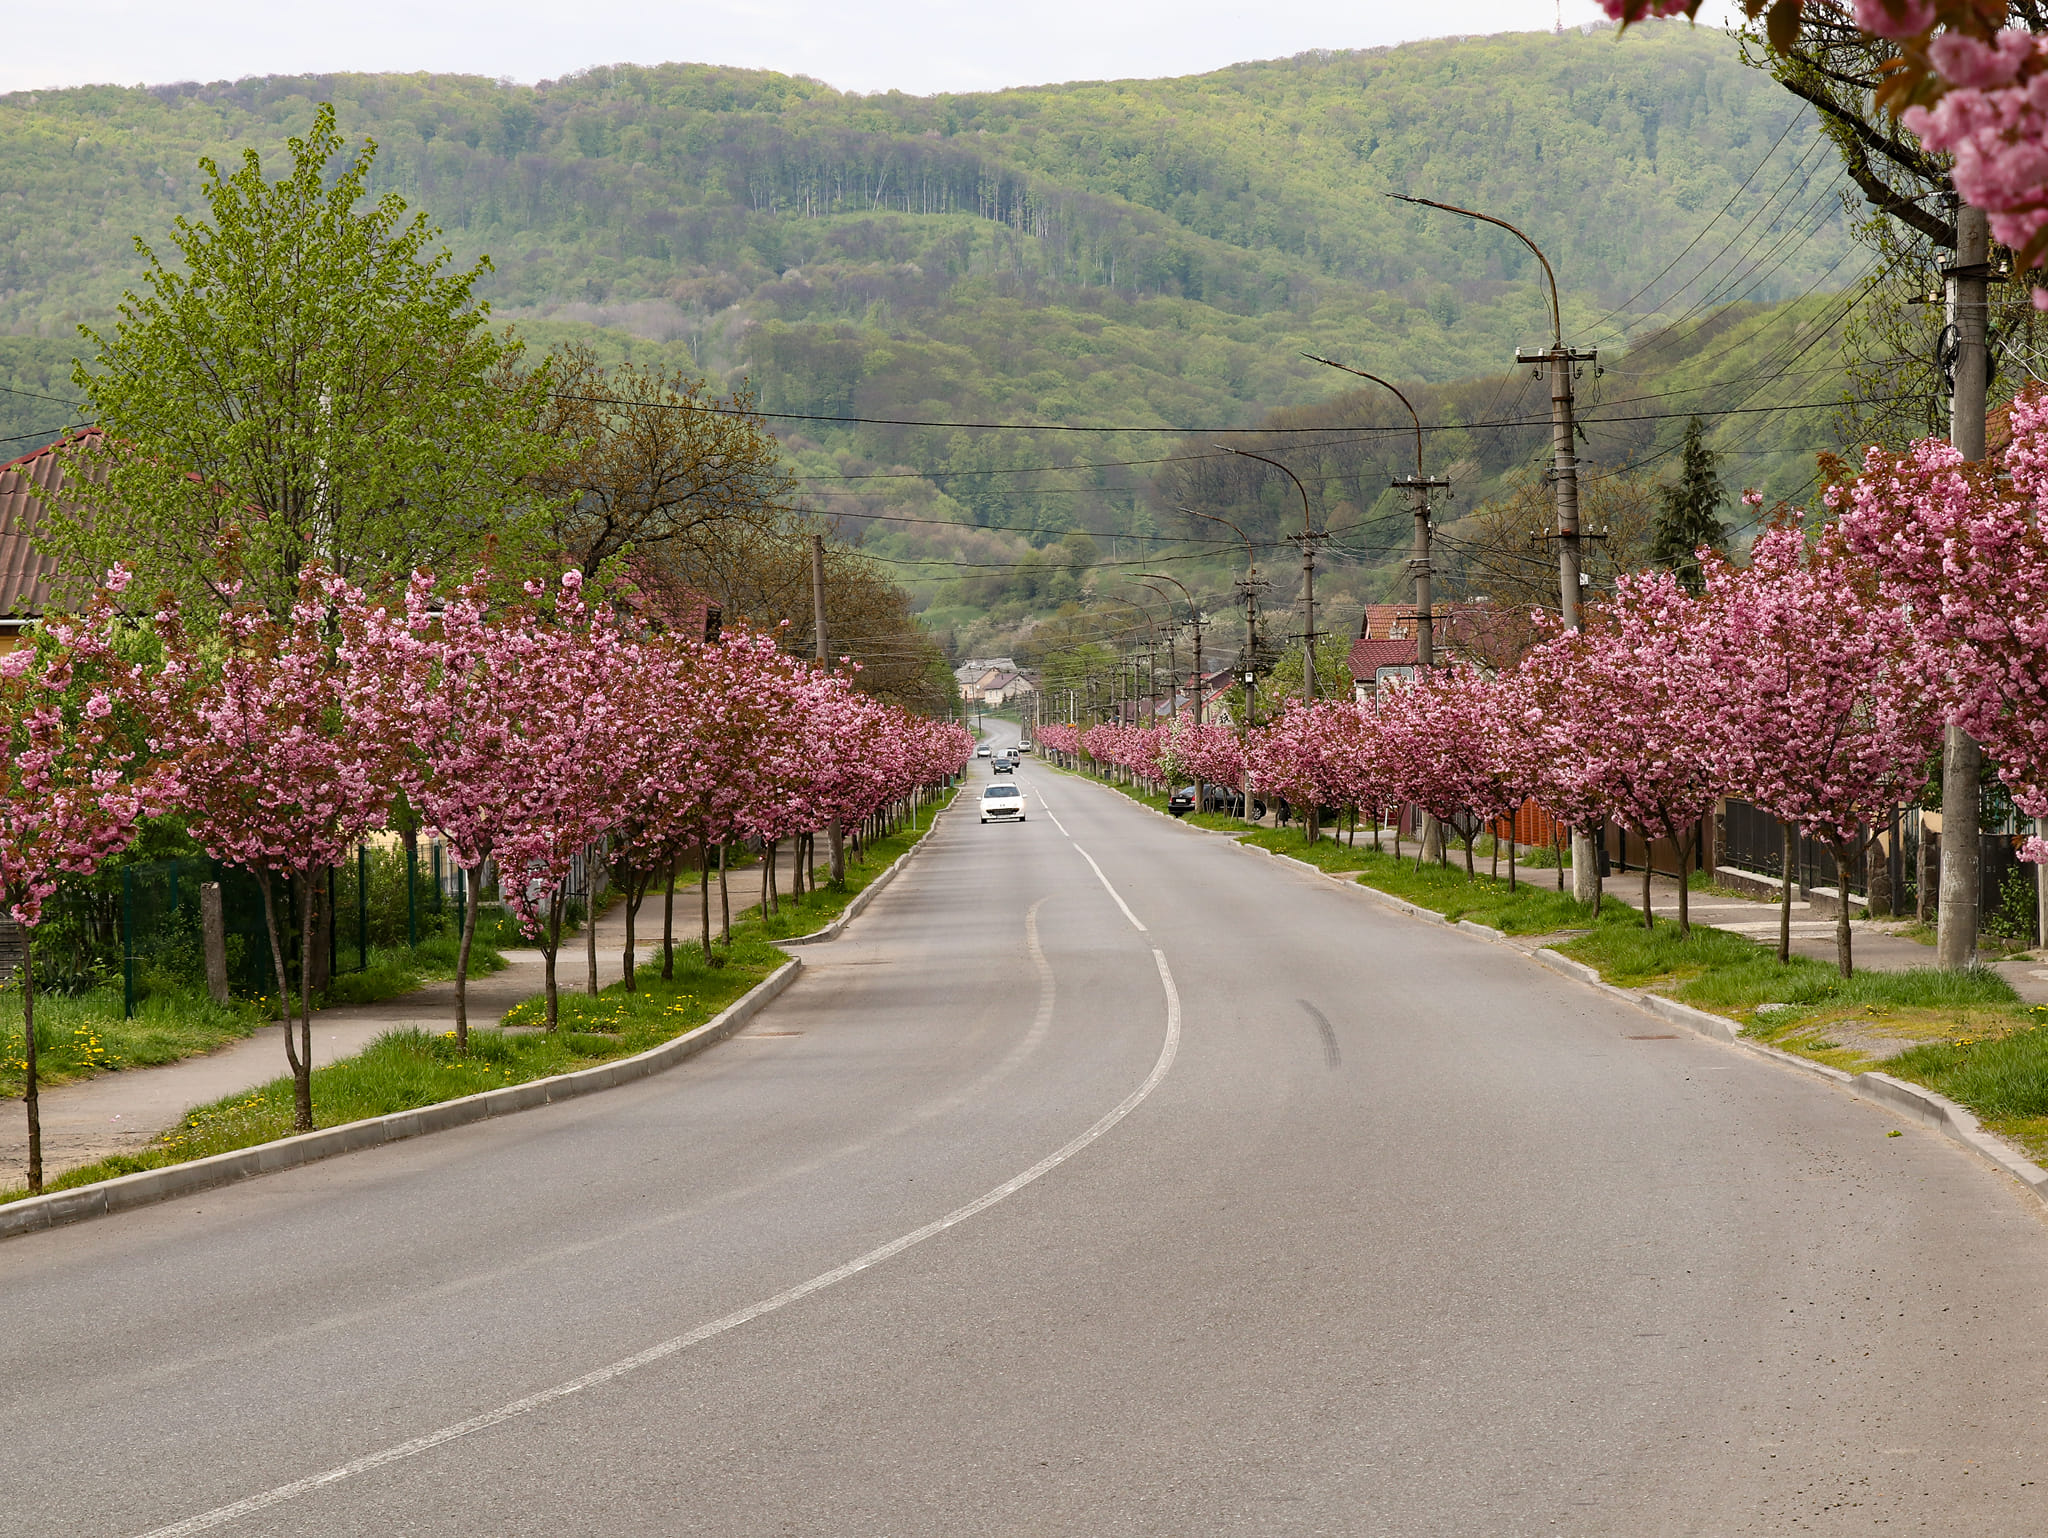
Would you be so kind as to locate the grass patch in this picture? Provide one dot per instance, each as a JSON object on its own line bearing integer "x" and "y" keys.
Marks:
{"x": 1532, "y": 908}
{"x": 83, "y": 1034}
{"x": 401, "y": 969}
{"x": 2003, "y": 1078}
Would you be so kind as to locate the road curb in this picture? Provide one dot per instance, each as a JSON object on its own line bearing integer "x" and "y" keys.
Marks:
{"x": 866, "y": 894}
{"x": 104, "y": 1197}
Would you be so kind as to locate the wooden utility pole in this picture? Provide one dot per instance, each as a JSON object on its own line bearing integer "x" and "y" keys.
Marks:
{"x": 835, "y": 833}
{"x": 1419, "y": 567}
{"x": 1962, "y": 761}
{"x": 1561, "y": 362}
{"x": 1247, "y": 672}
{"x": 1307, "y": 539}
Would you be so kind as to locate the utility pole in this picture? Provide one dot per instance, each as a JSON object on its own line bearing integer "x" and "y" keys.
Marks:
{"x": 1419, "y": 567}
{"x": 1307, "y": 540}
{"x": 1962, "y": 760}
{"x": 835, "y": 833}
{"x": 1562, "y": 364}
{"x": 1248, "y": 589}
{"x": 1195, "y": 623}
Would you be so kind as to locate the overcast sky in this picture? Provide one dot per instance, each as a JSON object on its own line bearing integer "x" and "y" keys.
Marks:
{"x": 921, "y": 46}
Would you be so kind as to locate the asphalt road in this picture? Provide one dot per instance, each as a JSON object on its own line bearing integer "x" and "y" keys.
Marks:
{"x": 1376, "y": 1230}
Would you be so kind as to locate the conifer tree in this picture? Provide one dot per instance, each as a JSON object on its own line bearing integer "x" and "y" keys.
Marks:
{"x": 1690, "y": 519}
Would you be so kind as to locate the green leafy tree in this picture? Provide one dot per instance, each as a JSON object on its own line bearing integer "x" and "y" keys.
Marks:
{"x": 1690, "y": 519}
{"x": 309, "y": 382}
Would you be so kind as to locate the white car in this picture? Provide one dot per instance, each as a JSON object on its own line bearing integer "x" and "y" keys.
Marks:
{"x": 981, "y": 752}
{"x": 1003, "y": 803}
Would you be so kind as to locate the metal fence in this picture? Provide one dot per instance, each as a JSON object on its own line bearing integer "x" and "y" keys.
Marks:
{"x": 141, "y": 922}
{"x": 1751, "y": 841}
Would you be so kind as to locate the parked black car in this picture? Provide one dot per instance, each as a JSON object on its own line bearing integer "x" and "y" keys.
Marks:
{"x": 1215, "y": 798}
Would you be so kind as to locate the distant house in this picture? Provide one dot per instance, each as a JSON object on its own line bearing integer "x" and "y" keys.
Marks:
{"x": 1385, "y": 651}
{"x": 25, "y": 574}
{"x": 1000, "y": 686}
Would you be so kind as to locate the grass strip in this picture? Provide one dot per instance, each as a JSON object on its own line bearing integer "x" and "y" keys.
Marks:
{"x": 83, "y": 1035}
{"x": 1218, "y": 822}
{"x": 407, "y": 1068}
{"x": 1531, "y": 908}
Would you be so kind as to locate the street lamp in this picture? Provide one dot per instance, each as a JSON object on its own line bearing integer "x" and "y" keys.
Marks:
{"x": 1419, "y": 568}
{"x": 1308, "y": 570}
{"x": 1195, "y": 623}
{"x": 1247, "y": 672}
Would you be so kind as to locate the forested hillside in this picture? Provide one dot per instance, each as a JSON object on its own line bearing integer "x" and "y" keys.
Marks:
{"x": 1143, "y": 254}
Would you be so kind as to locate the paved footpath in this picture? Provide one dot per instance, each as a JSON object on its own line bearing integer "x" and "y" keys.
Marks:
{"x": 122, "y": 1111}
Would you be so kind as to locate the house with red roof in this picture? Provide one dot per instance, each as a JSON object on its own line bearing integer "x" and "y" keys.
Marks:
{"x": 26, "y": 574}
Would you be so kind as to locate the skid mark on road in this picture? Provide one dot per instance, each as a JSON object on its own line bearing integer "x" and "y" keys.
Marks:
{"x": 1332, "y": 1057}
{"x": 221, "y": 1516}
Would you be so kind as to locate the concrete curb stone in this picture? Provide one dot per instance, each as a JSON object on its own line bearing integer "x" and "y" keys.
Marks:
{"x": 125, "y": 1191}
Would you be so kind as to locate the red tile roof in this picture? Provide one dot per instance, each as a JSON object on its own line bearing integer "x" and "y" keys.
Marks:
{"x": 25, "y": 573}
{"x": 1368, "y": 657}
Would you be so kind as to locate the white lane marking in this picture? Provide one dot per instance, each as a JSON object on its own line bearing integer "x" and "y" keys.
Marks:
{"x": 1047, "y": 805}
{"x": 1169, "y": 1049}
{"x": 1110, "y": 889}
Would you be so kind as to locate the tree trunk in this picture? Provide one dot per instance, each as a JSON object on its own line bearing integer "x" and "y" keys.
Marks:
{"x": 835, "y": 834}
{"x": 1649, "y": 914}
{"x": 1845, "y": 854}
{"x": 668, "y": 926}
{"x": 1557, "y": 848}
{"x": 590, "y": 920}
{"x": 704, "y": 896}
{"x": 1923, "y": 886}
{"x": 554, "y": 946}
{"x": 724, "y": 902}
{"x": 284, "y": 993}
{"x": 28, "y": 1060}
{"x": 636, "y": 888}
{"x": 469, "y": 911}
{"x": 1684, "y": 890}
{"x": 302, "y": 1073}
{"x": 1511, "y": 860}
{"x": 1784, "y": 891}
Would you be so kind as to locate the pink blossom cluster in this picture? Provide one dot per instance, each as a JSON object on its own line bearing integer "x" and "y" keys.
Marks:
{"x": 1994, "y": 120}
{"x": 70, "y": 791}
{"x": 1961, "y": 551}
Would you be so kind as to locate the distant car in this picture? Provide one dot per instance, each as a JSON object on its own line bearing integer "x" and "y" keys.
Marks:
{"x": 981, "y": 752}
{"x": 1024, "y": 746}
{"x": 1217, "y": 798}
{"x": 1003, "y": 803}
{"x": 1006, "y": 765}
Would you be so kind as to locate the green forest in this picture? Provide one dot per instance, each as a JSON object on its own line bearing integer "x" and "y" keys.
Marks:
{"x": 1148, "y": 258}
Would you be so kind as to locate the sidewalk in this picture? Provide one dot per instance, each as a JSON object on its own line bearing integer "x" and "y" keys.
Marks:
{"x": 117, "y": 1112}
